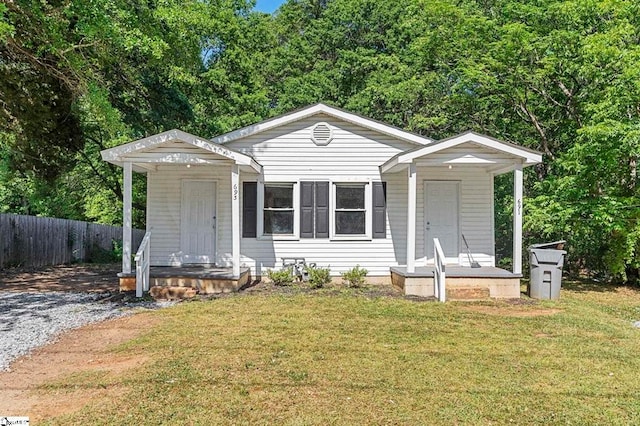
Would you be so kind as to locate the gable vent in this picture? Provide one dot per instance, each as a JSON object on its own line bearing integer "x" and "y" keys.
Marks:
{"x": 321, "y": 134}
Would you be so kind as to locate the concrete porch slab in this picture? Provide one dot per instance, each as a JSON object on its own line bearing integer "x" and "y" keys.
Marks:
{"x": 462, "y": 283}
{"x": 205, "y": 279}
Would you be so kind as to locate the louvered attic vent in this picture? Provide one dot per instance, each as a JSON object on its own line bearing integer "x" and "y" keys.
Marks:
{"x": 321, "y": 134}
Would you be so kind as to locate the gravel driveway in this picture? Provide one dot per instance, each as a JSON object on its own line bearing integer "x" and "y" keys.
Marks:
{"x": 38, "y": 305}
{"x": 29, "y": 320}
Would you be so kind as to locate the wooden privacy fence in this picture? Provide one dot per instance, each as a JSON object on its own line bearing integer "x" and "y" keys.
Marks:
{"x": 39, "y": 241}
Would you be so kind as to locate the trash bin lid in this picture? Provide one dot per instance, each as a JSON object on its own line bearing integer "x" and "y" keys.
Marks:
{"x": 555, "y": 245}
{"x": 546, "y": 256}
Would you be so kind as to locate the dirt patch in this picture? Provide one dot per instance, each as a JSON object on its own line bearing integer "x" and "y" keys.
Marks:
{"x": 30, "y": 388}
{"x": 543, "y": 335}
{"x": 78, "y": 278}
{"x": 517, "y": 311}
{"x": 627, "y": 291}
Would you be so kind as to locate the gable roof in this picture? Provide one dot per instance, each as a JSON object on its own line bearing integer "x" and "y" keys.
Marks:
{"x": 520, "y": 154}
{"x": 320, "y": 108}
{"x": 118, "y": 155}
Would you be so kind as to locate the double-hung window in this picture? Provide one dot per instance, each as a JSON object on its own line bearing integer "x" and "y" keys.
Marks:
{"x": 278, "y": 212}
{"x": 350, "y": 209}
{"x": 310, "y": 209}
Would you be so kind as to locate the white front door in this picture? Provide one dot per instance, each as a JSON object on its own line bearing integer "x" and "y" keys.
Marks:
{"x": 198, "y": 228}
{"x": 441, "y": 217}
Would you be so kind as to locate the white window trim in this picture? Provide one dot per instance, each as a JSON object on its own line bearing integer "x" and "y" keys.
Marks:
{"x": 296, "y": 213}
{"x": 368, "y": 215}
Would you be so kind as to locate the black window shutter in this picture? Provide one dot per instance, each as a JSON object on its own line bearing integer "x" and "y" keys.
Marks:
{"x": 322, "y": 209}
{"x": 249, "y": 209}
{"x": 379, "y": 209}
{"x": 306, "y": 209}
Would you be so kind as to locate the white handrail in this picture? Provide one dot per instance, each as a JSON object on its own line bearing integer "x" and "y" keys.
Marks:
{"x": 143, "y": 263}
{"x": 439, "y": 273}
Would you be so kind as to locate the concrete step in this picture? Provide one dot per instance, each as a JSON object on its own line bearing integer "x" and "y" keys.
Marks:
{"x": 172, "y": 293}
{"x": 205, "y": 280}
{"x": 468, "y": 293}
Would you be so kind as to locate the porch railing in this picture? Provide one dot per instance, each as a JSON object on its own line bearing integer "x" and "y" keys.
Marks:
{"x": 440, "y": 273}
{"x": 143, "y": 263}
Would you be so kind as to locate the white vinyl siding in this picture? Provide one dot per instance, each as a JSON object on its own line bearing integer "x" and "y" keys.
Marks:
{"x": 376, "y": 255}
{"x": 288, "y": 154}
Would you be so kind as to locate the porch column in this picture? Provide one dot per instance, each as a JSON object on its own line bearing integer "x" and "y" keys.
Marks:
{"x": 411, "y": 219}
{"x": 517, "y": 219}
{"x": 235, "y": 219}
{"x": 126, "y": 218}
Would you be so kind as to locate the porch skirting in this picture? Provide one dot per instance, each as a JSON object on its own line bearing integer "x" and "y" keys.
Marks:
{"x": 462, "y": 283}
{"x": 207, "y": 280}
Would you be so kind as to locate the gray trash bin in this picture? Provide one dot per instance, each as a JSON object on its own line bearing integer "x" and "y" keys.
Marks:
{"x": 546, "y": 261}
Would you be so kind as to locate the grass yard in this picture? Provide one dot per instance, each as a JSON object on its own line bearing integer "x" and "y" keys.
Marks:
{"x": 343, "y": 358}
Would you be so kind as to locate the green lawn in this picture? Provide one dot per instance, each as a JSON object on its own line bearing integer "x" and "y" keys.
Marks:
{"x": 344, "y": 358}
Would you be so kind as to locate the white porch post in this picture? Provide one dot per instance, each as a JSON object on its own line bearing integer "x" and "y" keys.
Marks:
{"x": 517, "y": 219}
{"x": 126, "y": 218}
{"x": 235, "y": 219}
{"x": 411, "y": 219}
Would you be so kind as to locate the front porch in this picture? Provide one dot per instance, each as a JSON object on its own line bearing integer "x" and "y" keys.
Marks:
{"x": 204, "y": 279}
{"x": 462, "y": 283}
{"x": 193, "y": 209}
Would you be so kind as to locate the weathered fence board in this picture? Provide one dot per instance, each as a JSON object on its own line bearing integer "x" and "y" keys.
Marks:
{"x": 40, "y": 241}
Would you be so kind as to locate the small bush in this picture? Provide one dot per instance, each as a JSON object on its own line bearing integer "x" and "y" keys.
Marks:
{"x": 118, "y": 249}
{"x": 354, "y": 277}
{"x": 505, "y": 263}
{"x": 97, "y": 254}
{"x": 281, "y": 277}
{"x": 318, "y": 277}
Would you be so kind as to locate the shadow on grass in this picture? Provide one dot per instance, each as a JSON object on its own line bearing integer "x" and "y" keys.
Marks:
{"x": 583, "y": 285}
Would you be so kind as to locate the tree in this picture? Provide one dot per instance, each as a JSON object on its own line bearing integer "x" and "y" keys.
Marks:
{"x": 80, "y": 76}
{"x": 558, "y": 76}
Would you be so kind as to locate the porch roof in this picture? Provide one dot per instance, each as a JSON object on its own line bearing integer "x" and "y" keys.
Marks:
{"x": 145, "y": 153}
{"x": 467, "y": 148}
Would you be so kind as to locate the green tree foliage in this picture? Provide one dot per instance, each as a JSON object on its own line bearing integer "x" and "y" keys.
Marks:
{"x": 78, "y": 76}
{"x": 559, "y": 76}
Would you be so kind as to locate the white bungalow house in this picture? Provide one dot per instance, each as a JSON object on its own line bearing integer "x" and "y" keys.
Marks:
{"x": 329, "y": 186}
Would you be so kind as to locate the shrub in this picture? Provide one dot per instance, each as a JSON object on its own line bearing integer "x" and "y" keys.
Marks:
{"x": 97, "y": 254}
{"x": 281, "y": 277}
{"x": 318, "y": 277}
{"x": 355, "y": 276}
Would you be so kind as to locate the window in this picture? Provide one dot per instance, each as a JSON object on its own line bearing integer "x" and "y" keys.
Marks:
{"x": 350, "y": 211}
{"x": 314, "y": 209}
{"x": 278, "y": 209}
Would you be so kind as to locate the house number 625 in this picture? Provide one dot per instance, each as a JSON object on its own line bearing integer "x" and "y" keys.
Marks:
{"x": 235, "y": 191}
